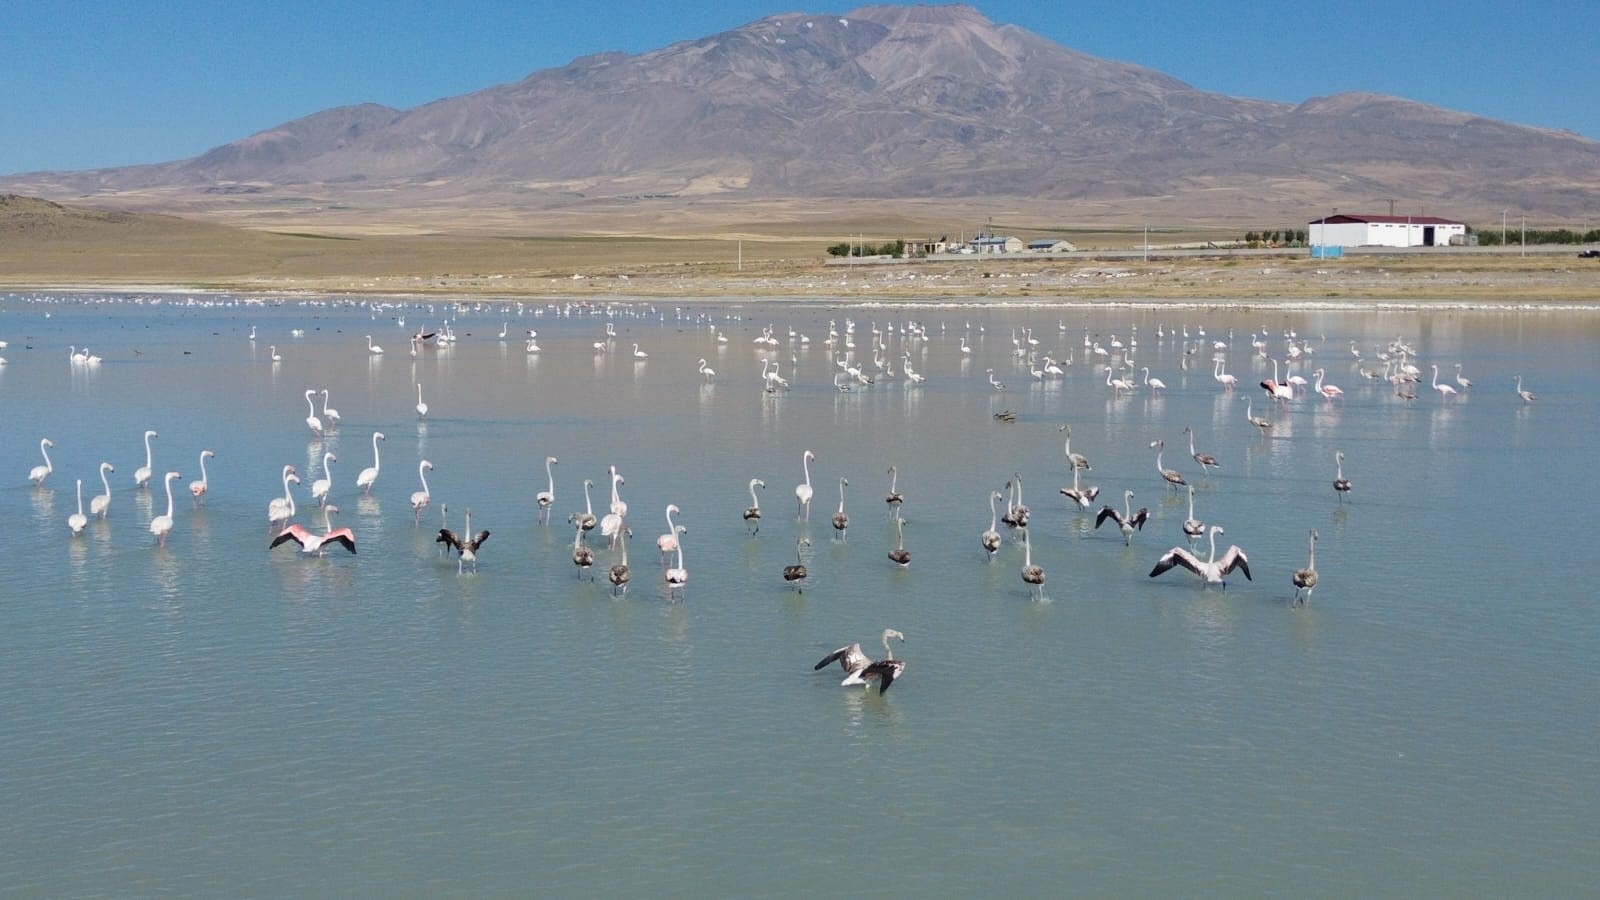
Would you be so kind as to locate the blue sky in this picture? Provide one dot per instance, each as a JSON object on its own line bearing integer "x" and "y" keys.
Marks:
{"x": 85, "y": 85}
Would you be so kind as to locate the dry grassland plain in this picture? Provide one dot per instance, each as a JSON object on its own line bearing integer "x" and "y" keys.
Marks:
{"x": 732, "y": 252}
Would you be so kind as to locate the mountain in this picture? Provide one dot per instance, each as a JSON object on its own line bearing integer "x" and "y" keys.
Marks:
{"x": 890, "y": 102}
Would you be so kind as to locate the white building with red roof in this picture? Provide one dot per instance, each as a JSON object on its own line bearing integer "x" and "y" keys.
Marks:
{"x": 1341, "y": 230}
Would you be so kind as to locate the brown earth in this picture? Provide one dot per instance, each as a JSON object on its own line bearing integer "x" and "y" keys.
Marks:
{"x": 727, "y": 250}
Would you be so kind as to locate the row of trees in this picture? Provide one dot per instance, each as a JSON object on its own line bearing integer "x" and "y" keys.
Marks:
{"x": 1490, "y": 237}
{"x": 1275, "y": 236}
{"x": 851, "y": 248}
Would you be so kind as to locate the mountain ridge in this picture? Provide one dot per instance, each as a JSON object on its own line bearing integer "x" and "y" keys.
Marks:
{"x": 899, "y": 103}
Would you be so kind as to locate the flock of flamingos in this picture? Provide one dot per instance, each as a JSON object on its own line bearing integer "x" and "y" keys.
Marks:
{"x": 855, "y": 369}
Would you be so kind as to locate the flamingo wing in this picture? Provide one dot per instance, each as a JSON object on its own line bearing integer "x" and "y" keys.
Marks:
{"x": 480, "y": 538}
{"x": 1140, "y": 517}
{"x": 886, "y": 672}
{"x": 448, "y": 538}
{"x": 342, "y": 536}
{"x": 295, "y": 533}
{"x": 1235, "y": 559}
{"x": 849, "y": 658}
{"x": 1107, "y": 512}
{"x": 1177, "y": 556}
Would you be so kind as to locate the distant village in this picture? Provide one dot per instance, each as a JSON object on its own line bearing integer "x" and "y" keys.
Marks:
{"x": 1324, "y": 236}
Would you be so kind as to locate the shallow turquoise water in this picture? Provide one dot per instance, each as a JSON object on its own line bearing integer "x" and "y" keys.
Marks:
{"x": 214, "y": 714}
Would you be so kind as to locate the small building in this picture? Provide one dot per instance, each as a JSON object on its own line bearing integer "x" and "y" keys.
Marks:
{"x": 1343, "y": 230}
{"x": 917, "y": 247}
{"x": 989, "y": 243}
{"x": 1051, "y": 245}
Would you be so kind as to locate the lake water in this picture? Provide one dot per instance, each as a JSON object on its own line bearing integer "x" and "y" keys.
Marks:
{"x": 213, "y": 716}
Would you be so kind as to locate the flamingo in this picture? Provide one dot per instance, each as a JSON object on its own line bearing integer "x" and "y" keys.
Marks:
{"x": 160, "y": 526}
{"x": 802, "y": 492}
{"x": 38, "y": 474}
{"x": 611, "y": 524}
{"x": 273, "y": 354}
{"x": 752, "y": 513}
{"x": 1191, "y": 526}
{"x": 841, "y": 522}
{"x": 1078, "y": 494}
{"x": 1019, "y": 511}
{"x": 1466, "y": 383}
{"x": 994, "y": 382}
{"x": 1117, "y": 384}
{"x": 706, "y": 370}
{"x": 101, "y": 503}
{"x": 281, "y": 509}
{"x": 78, "y": 520}
{"x": 991, "y": 538}
{"x": 1172, "y": 477}
{"x": 1276, "y": 389}
{"x": 328, "y": 412}
{"x": 668, "y": 543}
{"x": 1445, "y": 390}
{"x": 320, "y": 487}
{"x": 1031, "y": 574}
{"x": 639, "y": 355}
{"x": 1341, "y": 484}
{"x": 370, "y": 475}
{"x": 546, "y": 499}
{"x": 141, "y": 475}
{"x": 900, "y": 555}
{"x": 198, "y": 488}
{"x": 315, "y": 543}
{"x": 1305, "y": 580}
{"x": 1154, "y": 384}
{"x": 858, "y": 668}
{"x": 585, "y": 520}
{"x": 312, "y": 422}
{"x": 1263, "y": 424}
{"x": 1074, "y": 460}
{"x": 1127, "y": 520}
{"x": 677, "y": 576}
{"x": 894, "y": 497}
{"x": 1226, "y": 380}
{"x": 422, "y": 408}
{"x": 1327, "y": 390}
{"x": 466, "y": 548}
{"x": 420, "y": 499}
{"x": 1212, "y": 570}
{"x": 1527, "y": 396}
{"x": 582, "y": 556}
{"x": 619, "y": 574}
{"x": 796, "y": 574}
{"x": 1207, "y": 461}
{"x": 372, "y": 348}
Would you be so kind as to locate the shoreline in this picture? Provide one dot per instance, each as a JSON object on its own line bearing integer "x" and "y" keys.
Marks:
{"x": 863, "y": 301}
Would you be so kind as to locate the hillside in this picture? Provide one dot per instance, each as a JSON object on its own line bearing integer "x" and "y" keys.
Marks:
{"x": 897, "y": 104}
